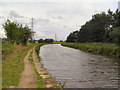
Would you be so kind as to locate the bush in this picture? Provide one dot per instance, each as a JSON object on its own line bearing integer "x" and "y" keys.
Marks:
{"x": 115, "y": 35}
{"x": 37, "y": 48}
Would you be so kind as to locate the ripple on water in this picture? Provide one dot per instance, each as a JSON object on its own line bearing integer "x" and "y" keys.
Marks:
{"x": 79, "y": 69}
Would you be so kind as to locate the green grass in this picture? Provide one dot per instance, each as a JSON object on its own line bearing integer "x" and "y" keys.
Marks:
{"x": 7, "y": 48}
{"x": 13, "y": 66}
{"x": 40, "y": 83}
{"x": 45, "y": 73}
{"x": 99, "y": 48}
{"x": 30, "y": 58}
{"x": 37, "y": 49}
{"x": 39, "y": 78}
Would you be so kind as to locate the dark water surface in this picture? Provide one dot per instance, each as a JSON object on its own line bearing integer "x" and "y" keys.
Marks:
{"x": 79, "y": 69}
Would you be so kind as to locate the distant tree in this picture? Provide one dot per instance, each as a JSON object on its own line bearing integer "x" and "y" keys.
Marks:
{"x": 51, "y": 40}
{"x": 72, "y": 37}
{"x": 61, "y": 40}
{"x": 48, "y": 40}
{"x": 40, "y": 40}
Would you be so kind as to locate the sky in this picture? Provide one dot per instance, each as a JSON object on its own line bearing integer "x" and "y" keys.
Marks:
{"x": 50, "y": 17}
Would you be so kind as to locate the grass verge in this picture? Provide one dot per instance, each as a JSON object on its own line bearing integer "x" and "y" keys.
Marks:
{"x": 40, "y": 83}
{"x": 13, "y": 65}
{"x": 7, "y": 48}
{"x": 37, "y": 49}
{"x": 99, "y": 48}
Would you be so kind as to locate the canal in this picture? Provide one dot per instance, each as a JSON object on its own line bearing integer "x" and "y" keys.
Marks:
{"x": 79, "y": 69}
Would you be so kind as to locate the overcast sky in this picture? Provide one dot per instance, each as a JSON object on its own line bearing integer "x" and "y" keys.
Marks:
{"x": 52, "y": 17}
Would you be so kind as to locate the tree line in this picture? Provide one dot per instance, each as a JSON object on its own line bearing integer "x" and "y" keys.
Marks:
{"x": 45, "y": 41}
{"x": 101, "y": 28}
{"x": 16, "y": 33}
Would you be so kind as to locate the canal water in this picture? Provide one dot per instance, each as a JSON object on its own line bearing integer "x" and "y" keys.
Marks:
{"x": 79, "y": 69}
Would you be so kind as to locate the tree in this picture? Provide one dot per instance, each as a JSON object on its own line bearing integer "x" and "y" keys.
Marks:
{"x": 17, "y": 33}
{"x": 115, "y": 35}
{"x": 40, "y": 40}
{"x": 94, "y": 30}
{"x": 10, "y": 30}
{"x": 25, "y": 34}
{"x": 48, "y": 40}
{"x": 101, "y": 28}
{"x": 72, "y": 37}
{"x": 116, "y": 19}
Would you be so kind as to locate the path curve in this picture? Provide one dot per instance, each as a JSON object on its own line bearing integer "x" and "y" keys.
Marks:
{"x": 28, "y": 77}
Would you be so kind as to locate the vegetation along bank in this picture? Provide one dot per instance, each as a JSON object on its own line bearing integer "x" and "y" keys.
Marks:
{"x": 99, "y": 35}
{"x": 99, "y": 48}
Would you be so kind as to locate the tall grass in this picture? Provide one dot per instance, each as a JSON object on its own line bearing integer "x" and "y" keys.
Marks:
{"x": 37, "y": 49}
{"x": 13, "y": 66}
{"x": 7, "y": 48}
{"x": 100, "y": 48}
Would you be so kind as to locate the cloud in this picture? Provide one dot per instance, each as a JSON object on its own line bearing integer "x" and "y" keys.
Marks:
{"x": 51, "y": 18}
{"x": 15, "y": 14}
{"x": 57, "y": 17}
{"x": 41, "y": 20}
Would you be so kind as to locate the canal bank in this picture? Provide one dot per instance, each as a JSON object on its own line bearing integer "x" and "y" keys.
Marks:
{"x": 42, "y": 74}
{"x": 96, "y": 48}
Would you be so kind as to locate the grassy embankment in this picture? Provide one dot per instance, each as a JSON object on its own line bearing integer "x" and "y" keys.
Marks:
{"x": 98, "y": 48}
{"x": 12, "y": 63}
{"x": 40, "y": 83}
{"x": 37, "y": 49}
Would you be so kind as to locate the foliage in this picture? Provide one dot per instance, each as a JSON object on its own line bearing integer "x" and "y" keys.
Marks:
{"x": 7, "y": 48}
{"x": 100, "y": 48}
{"x": 37, "y": 48}
{"x": 10, "y": 30}
{"x": 72, "y": 37}
{"x": 45, "y": 41}
{"x": 17, "y": 33}
{"x": 101, "y": 28}
{"x": 40, "y": 82}
{"x": 41, "y": 41}
{"x": 115, "y": 35}
{"x": 30, "y": 58}
{"x": 48, "y": 40}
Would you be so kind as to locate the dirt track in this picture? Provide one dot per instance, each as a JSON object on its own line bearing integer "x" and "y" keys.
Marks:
{"x": 28, "y": 77}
